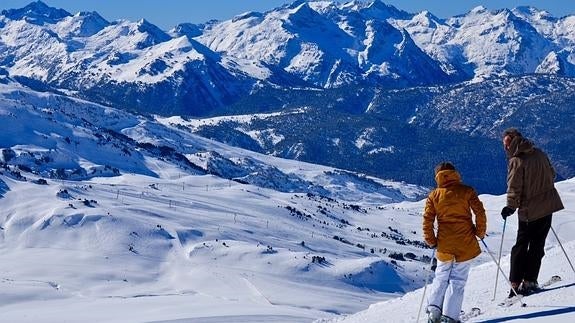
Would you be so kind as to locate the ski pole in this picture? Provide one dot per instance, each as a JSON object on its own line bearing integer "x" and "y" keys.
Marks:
{"x": 425, "y": 287}
{"x": 501, "y": 270}
{"x": 557, "y": 238}
{"x": 499, "y": 259}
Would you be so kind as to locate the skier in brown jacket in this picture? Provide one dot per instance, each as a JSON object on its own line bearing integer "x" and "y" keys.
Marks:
{"x": 530, "y": 190}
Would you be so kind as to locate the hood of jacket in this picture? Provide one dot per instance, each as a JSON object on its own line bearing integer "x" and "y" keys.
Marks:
{"x": 520, "y": 145}
{"x": 447, "y": 177}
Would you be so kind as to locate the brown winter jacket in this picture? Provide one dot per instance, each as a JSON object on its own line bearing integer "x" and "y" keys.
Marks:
{"x": 530, "y": 181}
{"x": 451, "y": 204}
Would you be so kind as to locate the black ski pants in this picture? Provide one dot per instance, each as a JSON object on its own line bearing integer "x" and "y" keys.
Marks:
{"x": 529, "y": 249}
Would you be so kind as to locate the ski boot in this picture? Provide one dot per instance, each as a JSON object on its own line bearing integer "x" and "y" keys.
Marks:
{"x": 433, "y": 314}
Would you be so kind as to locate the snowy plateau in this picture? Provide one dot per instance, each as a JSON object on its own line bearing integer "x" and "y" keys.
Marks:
{"x": 268, "y": 168}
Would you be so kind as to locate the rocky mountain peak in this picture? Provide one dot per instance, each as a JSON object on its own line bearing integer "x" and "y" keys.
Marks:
{"x": 37, "y": 13}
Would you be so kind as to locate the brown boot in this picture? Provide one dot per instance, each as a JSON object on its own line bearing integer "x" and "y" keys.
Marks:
{"x": 529, "y": 287}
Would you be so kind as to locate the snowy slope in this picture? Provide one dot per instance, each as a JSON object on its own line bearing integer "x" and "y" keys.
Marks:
{"x": 186, "y": 246}
{"x": 554, "y": 305}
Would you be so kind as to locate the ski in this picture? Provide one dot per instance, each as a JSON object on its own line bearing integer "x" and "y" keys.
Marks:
{"x": 554, "y": 279}
{"x": 465, "y": 316}
{"x": 510, "y": 301}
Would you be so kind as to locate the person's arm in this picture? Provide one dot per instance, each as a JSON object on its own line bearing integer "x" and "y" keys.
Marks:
{"x": 515, "y": 177}
{"x": 479, "y": 211}
{"x": 428, "y": 222}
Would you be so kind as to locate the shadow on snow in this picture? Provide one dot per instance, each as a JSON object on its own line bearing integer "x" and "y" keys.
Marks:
{"x": 533, "y": 315}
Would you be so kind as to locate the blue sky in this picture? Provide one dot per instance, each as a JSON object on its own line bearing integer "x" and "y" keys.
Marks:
{"x": 168, "y": 13}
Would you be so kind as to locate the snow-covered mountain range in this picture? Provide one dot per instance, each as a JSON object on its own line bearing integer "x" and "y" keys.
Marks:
{"x": 194, "y": 69}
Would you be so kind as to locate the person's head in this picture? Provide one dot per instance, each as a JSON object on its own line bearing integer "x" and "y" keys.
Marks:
{"x": 508, "y": 136}
{"x": 444, "y": 166}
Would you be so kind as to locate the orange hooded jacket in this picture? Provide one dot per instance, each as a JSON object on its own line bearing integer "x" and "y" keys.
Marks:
{"x": 451, "y": 204}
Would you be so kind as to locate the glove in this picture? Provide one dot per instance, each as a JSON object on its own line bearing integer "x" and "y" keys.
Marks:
{"x": 480, "y": 235}
{"x": 507, "y": 211}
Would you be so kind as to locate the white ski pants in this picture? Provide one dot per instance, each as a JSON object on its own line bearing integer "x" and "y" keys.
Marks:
{"x": 446, "y": 291}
